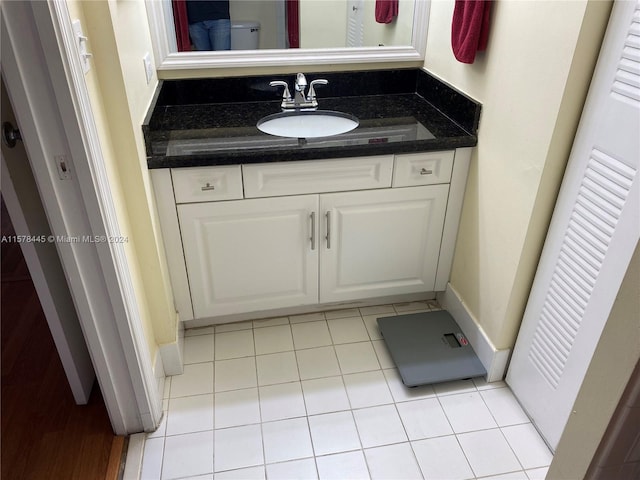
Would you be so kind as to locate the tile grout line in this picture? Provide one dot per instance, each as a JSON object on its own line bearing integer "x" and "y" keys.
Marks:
{"x": 455, "y": 434}
{"x": 364, "y": 456}
{"x": 413, "y": 453}
{"x": 213, "y": 433}
{"x": 164, "y": 436}
{"x": 306, "y": 410}
{"x": 501, "y": 432}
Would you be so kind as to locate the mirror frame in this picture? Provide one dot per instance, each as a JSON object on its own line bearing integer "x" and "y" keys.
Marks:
{"x": 164, "y": 47}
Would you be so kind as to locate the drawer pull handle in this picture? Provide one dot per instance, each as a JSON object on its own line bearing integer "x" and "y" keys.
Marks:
{"x": 208, "y": 187}
{"x": 424, "y": 171}
{"x": 313, "y": 230}
{"x": 328, "y": 237}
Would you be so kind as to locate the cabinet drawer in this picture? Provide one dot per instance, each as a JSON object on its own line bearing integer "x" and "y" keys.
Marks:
{"x": 316, "y": 176}
{"x": 204, "y": 184}
{"x": 423, "y": 168}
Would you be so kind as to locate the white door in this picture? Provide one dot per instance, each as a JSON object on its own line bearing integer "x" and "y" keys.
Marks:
{"x": 29, "y": 219}
{"x": 355, "y": 23}
{"x": 250, "y": 255}
{"x": 594, "y": 230}
{"x": 380, "y": 242}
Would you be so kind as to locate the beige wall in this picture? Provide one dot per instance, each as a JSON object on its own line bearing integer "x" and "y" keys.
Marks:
{"x": 612, "y": 364}
{"x": 118, "y": 37}
{"x": 532, "y": 81}
{"x": 323, "y": 24}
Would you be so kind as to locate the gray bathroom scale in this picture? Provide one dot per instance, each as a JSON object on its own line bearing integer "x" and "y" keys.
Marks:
{"x": 429, "y": 347}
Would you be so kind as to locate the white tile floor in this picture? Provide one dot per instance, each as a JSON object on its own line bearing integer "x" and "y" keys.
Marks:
{"x": 317, "y": 396}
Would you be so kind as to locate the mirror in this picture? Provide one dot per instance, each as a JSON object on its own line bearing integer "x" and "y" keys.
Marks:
{"x": 326, "y": 31}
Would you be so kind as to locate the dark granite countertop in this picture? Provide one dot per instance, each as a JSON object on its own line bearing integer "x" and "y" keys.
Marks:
{"x": 212, "y": 122}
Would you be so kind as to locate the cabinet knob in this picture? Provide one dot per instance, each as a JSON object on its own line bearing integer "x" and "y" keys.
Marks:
{"x": 207, "y": 187}
{"x": 424, "y": 171}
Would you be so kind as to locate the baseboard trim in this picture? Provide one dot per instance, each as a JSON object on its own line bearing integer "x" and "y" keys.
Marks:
{"x": 159, "y": 374}
{"x": 135, "y": 451}
{"x": 317, "y": 307}
{"x": 494, "y": 360}
{"x": 172, "y": 353}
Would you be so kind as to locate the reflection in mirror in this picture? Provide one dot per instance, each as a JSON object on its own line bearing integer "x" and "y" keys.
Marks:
{"x": 388, "y": 130}
{"x": 207, "y": 26}
{"x": 277, "y": 24}
{"x": 294, "y": 32}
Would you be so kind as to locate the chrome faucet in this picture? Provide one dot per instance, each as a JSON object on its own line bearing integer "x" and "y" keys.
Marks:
{"x": 300, "y": 100}
{"x": 300, "y": 86}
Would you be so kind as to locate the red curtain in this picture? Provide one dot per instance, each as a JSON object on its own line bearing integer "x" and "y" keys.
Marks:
{"x": 293, "y": 24}
{"x": 182, "y": 25}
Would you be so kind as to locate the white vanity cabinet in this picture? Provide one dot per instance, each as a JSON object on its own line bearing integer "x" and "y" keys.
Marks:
{"x": 249, "y": 255}
{"x": 380, "y": 242}
{"x": 293, "y": 234}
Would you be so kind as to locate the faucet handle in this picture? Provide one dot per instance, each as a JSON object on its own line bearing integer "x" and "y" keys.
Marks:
{"x": 286, "y": 95}
{"x": 312, "y": 90}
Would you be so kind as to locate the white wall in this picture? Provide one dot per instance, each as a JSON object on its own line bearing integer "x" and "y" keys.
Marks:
{"x": 532, "y": 81}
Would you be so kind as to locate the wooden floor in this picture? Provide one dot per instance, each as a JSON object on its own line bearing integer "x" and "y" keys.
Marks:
{"x": 45, "y": 435}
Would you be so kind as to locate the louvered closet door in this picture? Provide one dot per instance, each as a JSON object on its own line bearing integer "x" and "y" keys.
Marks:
{"x": 593, "y": 233}
{"x": 355, "y": 23}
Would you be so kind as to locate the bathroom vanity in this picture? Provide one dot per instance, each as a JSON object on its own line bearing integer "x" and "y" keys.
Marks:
{"x": 255, "y": 224}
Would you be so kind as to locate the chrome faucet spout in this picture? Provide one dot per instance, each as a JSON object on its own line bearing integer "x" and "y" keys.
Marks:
{"x": 301, "y": 82}
{"x": 300, "y": 87}
{"x": 300, "y": 99}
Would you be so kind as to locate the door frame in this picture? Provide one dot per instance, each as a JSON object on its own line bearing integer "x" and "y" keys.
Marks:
{"x": 45, "y": 81}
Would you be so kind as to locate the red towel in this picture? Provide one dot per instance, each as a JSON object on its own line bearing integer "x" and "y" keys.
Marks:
{"x": 386, "y": 10}
{"x": 470, "y": 28}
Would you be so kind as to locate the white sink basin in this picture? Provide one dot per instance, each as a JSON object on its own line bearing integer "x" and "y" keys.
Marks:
{"x": 307, "y": 124}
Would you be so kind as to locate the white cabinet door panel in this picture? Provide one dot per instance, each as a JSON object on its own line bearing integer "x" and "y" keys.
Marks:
{"x": 250, "y": 255}
{"x": 381, "y": 242}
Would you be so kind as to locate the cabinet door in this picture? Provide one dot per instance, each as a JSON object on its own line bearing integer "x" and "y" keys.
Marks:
{"x": 380, "y": 242}
{"x": 250, "y": 255}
